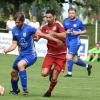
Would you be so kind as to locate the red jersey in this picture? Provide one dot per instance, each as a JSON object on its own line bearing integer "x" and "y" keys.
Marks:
{"x": 53, "y": 47}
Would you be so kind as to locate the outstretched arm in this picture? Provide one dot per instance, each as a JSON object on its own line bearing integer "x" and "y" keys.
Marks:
{"x": 12, "y": 47}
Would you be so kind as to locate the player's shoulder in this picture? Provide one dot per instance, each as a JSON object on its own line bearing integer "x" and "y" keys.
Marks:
{"x": 14, "y": 28}
{"x": 66, "y": 20}
{"x": 58, "y": 23}
{"x": 79, "y": 20}
{"x": 44, "y": 25}
{"x": 28, "y": 27}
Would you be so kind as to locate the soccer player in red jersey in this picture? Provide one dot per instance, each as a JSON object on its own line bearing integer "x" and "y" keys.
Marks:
{"x": 55, "y": 60}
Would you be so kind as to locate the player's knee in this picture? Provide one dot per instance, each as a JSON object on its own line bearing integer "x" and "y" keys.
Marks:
{"x": 14, "y": 74}
{"x": 21, "y": 65}
{"x": 44, "y": 74}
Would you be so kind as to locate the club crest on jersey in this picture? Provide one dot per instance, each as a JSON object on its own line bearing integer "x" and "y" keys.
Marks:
{"x": 75, "y": 25}
{"x": 24, "y": 34}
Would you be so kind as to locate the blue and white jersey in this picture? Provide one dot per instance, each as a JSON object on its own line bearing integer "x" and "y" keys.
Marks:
{"x": 73, "y": 25}
{"x": 23, "y": 36}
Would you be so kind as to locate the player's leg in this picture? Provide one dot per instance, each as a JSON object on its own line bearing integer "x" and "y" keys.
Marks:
{"x": 59, "y": 66}
{"x": 22, "y": 64}
{"x": 72, "y": 51}
{"x": 98, "y": 58}
{"x": 23, "y": 74}
{"x": 69, "y": 65}
{"x": 14, "y": 82}
{"x": 90, "y": 57}
{"x": 95, "y": 58}
{"x": 80, "y": 62}
{"x": 15, "y": 77}
{"x": 46, "y": 66}
{"x": 53, "y": 83}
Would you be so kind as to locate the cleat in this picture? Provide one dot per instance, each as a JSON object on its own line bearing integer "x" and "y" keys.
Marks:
{"x": 68, "y": 75}
{"x": 14, "y": 92}
{"x": 89, "y": 69}
{"x": 47, "y": 94}
{"x": 25, "y": 92}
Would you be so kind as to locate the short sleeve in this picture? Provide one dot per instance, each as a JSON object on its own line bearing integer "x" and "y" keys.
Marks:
{"x": 60, "y": 27}
{"x": 82, "y": 27}
{"x": 65, "y": 25}
{"x": 13, "y": 35}
{"x": 43, "y": 28}
{"x": 32, "y": 30}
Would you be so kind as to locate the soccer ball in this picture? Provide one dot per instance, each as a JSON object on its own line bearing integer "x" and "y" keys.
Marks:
{"x": 2, "y": 90}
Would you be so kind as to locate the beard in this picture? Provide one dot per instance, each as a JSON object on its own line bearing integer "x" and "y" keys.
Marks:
{"x": 72, "y": 18}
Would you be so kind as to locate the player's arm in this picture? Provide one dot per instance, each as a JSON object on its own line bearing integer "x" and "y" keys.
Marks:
{"x": 81, "y": 32}
{"x": 60, "y": 35}
{"x": 61, "y": 31}
{"x": 48, "y": 37}
{"x": 12, "y": 47}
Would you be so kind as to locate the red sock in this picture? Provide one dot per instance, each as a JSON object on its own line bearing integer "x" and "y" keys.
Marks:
{"x": 51, "y": 71}
{"x": 52, "y": 85}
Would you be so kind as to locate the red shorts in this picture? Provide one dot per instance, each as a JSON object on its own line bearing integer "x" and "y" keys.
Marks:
{"x": 59, "y": 62}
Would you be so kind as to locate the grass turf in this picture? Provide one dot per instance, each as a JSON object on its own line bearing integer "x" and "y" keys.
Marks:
{"x": 79, "y": 87}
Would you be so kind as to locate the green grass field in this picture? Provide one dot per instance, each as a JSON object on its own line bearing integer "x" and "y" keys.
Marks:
{"x": 79, "y": 87}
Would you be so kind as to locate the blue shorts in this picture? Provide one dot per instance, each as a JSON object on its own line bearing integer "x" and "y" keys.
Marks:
{"x": 73, "y": 45}
{"x": 73, "y": 49}
{"x": 29, "y": 58}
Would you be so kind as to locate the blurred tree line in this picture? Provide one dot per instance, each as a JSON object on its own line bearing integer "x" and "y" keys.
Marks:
{"x": 89, "y": 8}
{"x": 29, "y": 7}
{"x": 38, "y": 7}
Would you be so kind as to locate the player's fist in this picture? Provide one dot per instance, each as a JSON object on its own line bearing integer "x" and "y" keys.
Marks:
{"x": 5, "y": 51}
{"x": 68, "y": 31}
{"x": 76, "y": 32}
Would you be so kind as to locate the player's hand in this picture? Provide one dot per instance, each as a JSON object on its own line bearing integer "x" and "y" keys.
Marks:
{"x": 68, "y": 31}
{"x": 39, "y": 33}
{"x": 36, "y": 37}
{"x": 4, "y": 51}
{"x": 76, "y": 32}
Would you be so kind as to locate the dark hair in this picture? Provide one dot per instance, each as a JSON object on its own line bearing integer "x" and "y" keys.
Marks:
{"x": 72, "y": 9}
{"x": 98, "y": 43}
{"x": 51, "y": 11}
{"x": 20, "y": 16}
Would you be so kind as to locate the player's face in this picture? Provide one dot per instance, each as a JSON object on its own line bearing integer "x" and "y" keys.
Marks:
{"x": 97, "y": 46}
{"x": 72, "y": 14}
{"x": 50, "y": 18}
{"x": 19, "y": 23}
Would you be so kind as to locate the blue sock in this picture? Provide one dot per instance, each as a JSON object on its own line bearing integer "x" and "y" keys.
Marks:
{"x": 23, "y": 77}
{"x": 14, "y": 84}
{"x": 80, "y": 62}
{"x": 70, "y": 65}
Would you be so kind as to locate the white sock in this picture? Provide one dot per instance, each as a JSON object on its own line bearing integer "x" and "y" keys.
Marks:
{"x": 69, "y": 73}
